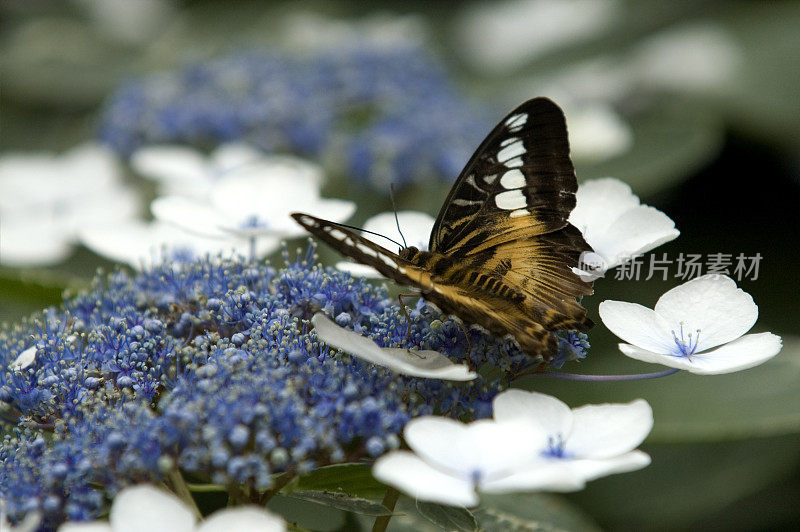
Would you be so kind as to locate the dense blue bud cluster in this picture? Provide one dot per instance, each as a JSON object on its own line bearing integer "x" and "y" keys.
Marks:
{"x": 208, "y": 369}
{"x": 377, "y": 115}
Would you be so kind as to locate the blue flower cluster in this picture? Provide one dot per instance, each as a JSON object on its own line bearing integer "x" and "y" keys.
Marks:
{"x": 207, "y": 369}
{"x": 378, "y": 116}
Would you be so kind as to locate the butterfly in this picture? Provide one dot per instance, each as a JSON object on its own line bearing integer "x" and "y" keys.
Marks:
{"x": 501, "y": 249}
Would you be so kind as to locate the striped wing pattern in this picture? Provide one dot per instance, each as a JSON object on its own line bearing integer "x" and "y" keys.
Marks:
{"x": 501, "y": 249}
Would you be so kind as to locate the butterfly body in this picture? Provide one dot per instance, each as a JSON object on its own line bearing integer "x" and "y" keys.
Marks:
{"x": 501, "y": 250}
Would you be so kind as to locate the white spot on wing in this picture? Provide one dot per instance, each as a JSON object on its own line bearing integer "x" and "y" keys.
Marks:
{"x": 508, "y": 141}
{"x": 367, "y": 250}
{"x": 514, "y": 149}
{"x": 335, "y": 233}
{"x": 389, "y": 261}
{"x": 516, "y": 122}
{"x": 464, "y": 202}
{"x": 516, "y": 162}
{"x": 513, "y": 178}
{"x": 519, "y": 212}
{"x": 511, "y": 200}
{"x": 489, "y": 179}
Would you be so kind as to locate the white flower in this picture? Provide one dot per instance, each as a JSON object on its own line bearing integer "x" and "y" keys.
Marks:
{"x": 503, "y": 36}
{"x": 597, "y": 132}
{"x": 616, "y": 224}
{"x": 184, "y": 171}
{"x": 149, "y": 509}
{"x": 309, "y": 31}
{"x": 254, "y": 200}
{"x": 29, "y": 523}
{"x": 416, "y": 227}
{"x": 24, "y": 359}
{"x": 142, "y": 244}
{"x": 47, "y": 199}
{"x": 688, "y": 57}
{"x": 688, "y": 322}
{"x": 592, "y": 440}
{"x": 454, "y": 460}
{"x": 417, "y": 363}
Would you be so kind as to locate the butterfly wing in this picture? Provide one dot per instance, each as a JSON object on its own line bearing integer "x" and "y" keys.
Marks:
{"x": 521, "y": 170}
{"x": 506, "y": 218}
{"x": 365, "y": 251}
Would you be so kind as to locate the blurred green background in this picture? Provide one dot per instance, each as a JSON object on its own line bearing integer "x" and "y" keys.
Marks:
{"x": 716, "y": 146}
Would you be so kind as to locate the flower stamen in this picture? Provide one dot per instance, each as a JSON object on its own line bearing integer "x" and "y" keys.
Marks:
{"x": 686, "y": 345}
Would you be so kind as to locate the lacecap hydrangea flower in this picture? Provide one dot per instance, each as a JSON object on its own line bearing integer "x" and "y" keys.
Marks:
{"x": 377, "y": 115}
{"x": 47, "y": 199}
{"x": 211, "y": 368}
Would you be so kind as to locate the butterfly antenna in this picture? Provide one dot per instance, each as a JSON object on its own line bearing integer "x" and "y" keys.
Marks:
{"x": 396, "y": 220}
{"x": 364, "y": 231}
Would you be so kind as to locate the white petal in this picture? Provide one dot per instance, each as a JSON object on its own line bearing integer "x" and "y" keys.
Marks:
{"x": 249, "y": 518}
{"x": 30, "y": 523}
{"x": 608, "y": 430}
{"x": 148, "y": 509}
{"x": 591, "y": 469}
{"x": 490, "y": 448}
{"x": 192, "y": 215}
{"x": 599, "y": 203}
{"x": 670, "y": 360}
{"x": 542, "y": 476}
{"x": 229, "y": 157}
{"x": 551, "y": 414}
{"x": 711, "y": 303}
{"x": 137, "y": 243}
{"x": 421, "y": 363}
{"x": 33, "y": 241}
{"x": 25, "y": 359}
{"x": 638, "y": 325}
{"x": 416, "y": 227}
{"x": 635, "y": 232}
{"x": 597, "y": 132}
{"x": 177, "y": 166}
{"x": 748, "y": 351}
{"x": 411, "y": 475}
{"x": 335, "y": 210}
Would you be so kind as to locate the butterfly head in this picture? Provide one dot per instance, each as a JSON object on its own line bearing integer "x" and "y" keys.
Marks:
{"x": 409, "y": 253}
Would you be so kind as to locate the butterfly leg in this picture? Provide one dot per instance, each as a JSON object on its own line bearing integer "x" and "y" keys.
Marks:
{"x": 405, "y": 313}
{"x": 466, "y": 335}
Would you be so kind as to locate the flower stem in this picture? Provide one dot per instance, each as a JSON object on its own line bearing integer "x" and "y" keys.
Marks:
{"x": 605, "y": 378}
{"x": 182, "y": 491}
{"x": 389, "y": 501}
{"x": 277, "y": 486}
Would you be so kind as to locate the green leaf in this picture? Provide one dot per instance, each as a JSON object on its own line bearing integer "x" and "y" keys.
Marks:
{"x": 761, "y": 401}
{"x": 340, "y": 501}
{"x": 349, "y": 479}
{"x": 672, "y": 139}
{"x": 686, "y": 483}
{"x": 447, "y": 517}
{"x": 530, "y": 512}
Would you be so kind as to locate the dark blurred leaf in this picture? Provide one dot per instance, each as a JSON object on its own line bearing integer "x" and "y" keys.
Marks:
{"x": 764, "y": 98}
{"x": 447, "y": 517}
{"x": 672, "y": 140}
{"x": 341, "y": 501}
{"x": 308, "y": 515}
{"x": 761, "y": 401}
{"x": 26, "y": 292}
{"x": 349, "y": 479}
{"x": 530, "y": 512}
{"x": 685, "y": 483}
